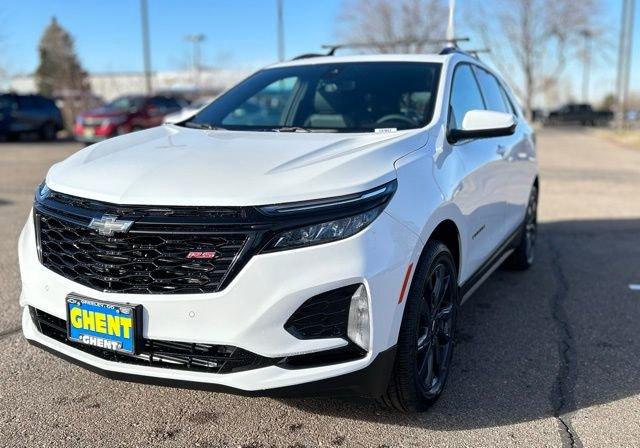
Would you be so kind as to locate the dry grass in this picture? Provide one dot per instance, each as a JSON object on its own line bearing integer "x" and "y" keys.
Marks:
{"x": 628, "y": 137}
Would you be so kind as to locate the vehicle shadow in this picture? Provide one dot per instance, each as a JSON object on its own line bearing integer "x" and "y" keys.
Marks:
{"x": 545, "y": 342}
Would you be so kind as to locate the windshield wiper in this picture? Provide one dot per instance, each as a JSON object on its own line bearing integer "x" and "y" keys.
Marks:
{"x": 292, "y": 129}
{"x": 208, "y": 127}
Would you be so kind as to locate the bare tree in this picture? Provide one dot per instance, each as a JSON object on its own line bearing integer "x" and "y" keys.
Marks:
{"x": 531, "y": 40}
{"x": 393, "y": 26}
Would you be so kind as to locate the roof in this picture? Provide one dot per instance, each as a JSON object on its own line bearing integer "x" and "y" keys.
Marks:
{"x": 364, "y": 58}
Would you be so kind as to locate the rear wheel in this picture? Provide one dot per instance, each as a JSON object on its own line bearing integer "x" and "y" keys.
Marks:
{"x": 524, "y": 255}
{"x": 425, "y": 342}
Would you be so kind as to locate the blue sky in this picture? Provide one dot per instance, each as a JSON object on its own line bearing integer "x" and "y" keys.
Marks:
{"x": 240, "y": 33}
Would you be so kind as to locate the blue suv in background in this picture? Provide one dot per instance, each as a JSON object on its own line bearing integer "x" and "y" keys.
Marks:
{"x": 20, "y": 114}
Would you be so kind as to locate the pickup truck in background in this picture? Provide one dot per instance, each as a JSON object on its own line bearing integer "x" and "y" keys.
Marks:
{"x": 582, "y": 114}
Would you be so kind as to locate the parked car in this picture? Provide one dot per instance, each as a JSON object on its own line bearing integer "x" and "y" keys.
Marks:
{"x": 189, "y": 110}
{"x": 582, "y": 114}
{"x": 21, "y": 114}
{"x": 314, "y": 230}
{"x": 123, "y": 115}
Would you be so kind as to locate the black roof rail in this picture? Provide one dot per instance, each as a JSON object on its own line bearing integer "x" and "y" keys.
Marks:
{"x": 334, "y": 47}
{"x": 470, "y": 53}
{"x": 308, "y": 55}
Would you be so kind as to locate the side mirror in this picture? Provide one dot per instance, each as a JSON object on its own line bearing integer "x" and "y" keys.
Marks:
{"x": 483, "y": 124}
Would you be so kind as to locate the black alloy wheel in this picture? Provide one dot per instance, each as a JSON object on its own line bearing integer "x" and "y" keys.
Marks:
{"x": 525, "y": 252}
{"x": 426, "y": 339}
{"x": 434, "y": 344}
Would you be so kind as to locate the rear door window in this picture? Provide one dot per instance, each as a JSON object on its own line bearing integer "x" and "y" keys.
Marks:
{"x": 491, "y": 91}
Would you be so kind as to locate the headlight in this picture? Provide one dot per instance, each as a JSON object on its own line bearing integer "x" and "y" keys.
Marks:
{"x": 326, "y": 231}
{"x": 42, "y": 192}
{"x": 325, "y": 220}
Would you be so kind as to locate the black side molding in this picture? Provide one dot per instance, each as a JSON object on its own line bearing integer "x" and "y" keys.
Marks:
{"x": 479, "y": 275}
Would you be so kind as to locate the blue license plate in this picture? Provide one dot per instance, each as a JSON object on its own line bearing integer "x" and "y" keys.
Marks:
{"x": 109, "y": 326}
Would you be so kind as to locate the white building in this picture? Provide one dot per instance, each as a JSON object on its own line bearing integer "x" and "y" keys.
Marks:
{"x": 110, "y": 85}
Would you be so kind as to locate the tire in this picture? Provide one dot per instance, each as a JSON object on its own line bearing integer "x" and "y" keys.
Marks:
{"x": 524, "y": 255}
{"x": 48, "y": 131}
{"x": 425, "y": 345}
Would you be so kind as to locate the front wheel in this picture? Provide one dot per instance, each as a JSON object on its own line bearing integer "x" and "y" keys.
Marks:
{"x": 425, "y": 341}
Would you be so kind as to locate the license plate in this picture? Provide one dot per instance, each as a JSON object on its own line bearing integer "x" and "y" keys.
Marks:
{"x": 89, "y": 132}
{"x": 105, "y": 325}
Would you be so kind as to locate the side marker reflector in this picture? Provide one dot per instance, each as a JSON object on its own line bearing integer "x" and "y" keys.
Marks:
{"x": 405, "y": 283}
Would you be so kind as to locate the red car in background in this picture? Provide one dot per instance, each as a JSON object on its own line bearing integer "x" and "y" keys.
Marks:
{"x": 122, "y": 115}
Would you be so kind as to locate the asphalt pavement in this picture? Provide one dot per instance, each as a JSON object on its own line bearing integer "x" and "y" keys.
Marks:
{"x": 548, "y": 357}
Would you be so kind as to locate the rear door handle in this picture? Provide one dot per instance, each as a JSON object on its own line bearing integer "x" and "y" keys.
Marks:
{"x": 501, "y": 150}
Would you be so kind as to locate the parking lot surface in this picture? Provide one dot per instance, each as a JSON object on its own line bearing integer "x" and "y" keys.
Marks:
{"x": 549, "y": 357}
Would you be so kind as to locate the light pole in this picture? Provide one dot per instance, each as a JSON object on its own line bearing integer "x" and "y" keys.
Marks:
{"x": 624, "y": 58}
{"x": 196, "y": 40}
{"x": 144, "y": 16}
{"x": 586, "y": 69}
{"x": 280, "y": 25}
{"x": 451, "y": 32}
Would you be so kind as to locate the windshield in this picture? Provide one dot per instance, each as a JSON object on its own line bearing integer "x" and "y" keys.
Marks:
{"x": 127, "y": 102}
{"x": 339, "y": 97}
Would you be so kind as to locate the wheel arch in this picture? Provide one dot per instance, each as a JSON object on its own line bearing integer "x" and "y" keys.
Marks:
{"x": 447, "y": 233}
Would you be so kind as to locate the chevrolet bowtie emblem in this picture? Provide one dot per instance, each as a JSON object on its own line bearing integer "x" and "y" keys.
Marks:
{"x": 107, "y": 225}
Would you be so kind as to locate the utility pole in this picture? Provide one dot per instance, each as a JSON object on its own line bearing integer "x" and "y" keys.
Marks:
{"x": 624, "y": 59}
{"x": 196, "y": 40}
{"x": 145, "y": 46}
{"x": 280, "y": 25}
{"x": 586, "y": 69}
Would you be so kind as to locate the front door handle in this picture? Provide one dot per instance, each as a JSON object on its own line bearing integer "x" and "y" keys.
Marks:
{"x": 501, "y": 150}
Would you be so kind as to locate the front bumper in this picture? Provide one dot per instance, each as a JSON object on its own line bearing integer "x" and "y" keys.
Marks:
{"x": 250, "y": 312}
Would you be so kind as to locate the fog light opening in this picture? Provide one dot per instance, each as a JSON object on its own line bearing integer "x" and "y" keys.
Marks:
{"x": 358, "y": 328}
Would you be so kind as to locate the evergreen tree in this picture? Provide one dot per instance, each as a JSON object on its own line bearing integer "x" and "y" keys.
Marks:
{"x": 59, "y": 71}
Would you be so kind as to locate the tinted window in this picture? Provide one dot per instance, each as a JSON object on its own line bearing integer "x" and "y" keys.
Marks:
{"x": 127, "y": 102}
{"x": 6, "y": 102}
{"x": 491, "y": 91}
{"x": 465, "y": 95}
{"x": 507, "y": 101}
{"x": 339, "y": 97}
{"x": 27, "y": 103}
{"x": 170, "y": 103}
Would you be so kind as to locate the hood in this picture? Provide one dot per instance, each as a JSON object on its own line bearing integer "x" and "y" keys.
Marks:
{"x": 172, "y": 165}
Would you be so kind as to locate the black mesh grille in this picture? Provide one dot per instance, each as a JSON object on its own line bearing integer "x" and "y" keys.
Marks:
{"x": 323, "y": 316}
{"x": 175, "y": 355}
{"x": 150, "y": 259}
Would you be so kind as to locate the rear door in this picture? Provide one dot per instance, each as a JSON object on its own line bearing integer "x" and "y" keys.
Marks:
{"x": 515, "y": 152}
{"x": 480, "y": 194}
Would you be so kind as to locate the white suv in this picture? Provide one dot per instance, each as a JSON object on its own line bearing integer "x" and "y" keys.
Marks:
{"x": 315, "y": 229}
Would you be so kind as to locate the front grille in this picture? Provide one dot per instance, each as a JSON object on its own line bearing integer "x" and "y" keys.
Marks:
{"x": 169, "y": 354}
{"x": 151, "y": 258}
